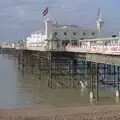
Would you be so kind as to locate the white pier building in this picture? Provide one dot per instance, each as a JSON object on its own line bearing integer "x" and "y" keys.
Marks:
{"x": 54, "y": 36}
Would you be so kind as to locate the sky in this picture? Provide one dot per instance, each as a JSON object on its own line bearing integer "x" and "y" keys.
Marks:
{"x": 18, "y": 18}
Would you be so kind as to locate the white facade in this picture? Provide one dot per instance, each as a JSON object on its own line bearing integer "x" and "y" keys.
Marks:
{"x": 69, "y": 32}
{"x": 60, "y": 33}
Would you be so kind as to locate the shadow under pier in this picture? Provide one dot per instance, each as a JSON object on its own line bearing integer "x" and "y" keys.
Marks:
{"x": 66, "y": 70}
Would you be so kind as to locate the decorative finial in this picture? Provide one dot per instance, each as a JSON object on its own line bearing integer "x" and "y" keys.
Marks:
{"x": 100, "y": 22}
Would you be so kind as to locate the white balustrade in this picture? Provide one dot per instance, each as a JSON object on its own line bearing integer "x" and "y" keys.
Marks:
{"x": 101, "y": 46}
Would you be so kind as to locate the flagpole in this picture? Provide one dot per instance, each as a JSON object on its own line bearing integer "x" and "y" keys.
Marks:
{"x": 44, "y": 12}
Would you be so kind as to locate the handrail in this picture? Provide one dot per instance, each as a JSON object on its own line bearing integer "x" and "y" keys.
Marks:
{"x": 99, "y": 45}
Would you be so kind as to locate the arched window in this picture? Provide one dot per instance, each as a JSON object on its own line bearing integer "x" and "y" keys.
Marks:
{"x": 93, "y": 33}
{"x": 55, "y": 33}
{"x": 114, "y": 35}
{"x": 74, "y": 33}
{"x": 74, "y": 42}
{"x": 65, "y": 33}
{"x": 82, "y": 38}
{"x": 84, "y": 34}
{"x": 65, "y": 42}
{"x": 80, "y": 43}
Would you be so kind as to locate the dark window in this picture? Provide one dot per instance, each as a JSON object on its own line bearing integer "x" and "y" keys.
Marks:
{"x": 105, "y": 43}
{"x": 82, "y": 38}
{"x": 74, "y": 42}
{"x": 65, "y": 33}
{"x": 93, "y": 33}
{"x": 55, "y": 33}
{"x": 80, "y": 43}
{"x": 84, "y": 34}
{"x": 114, "y": 35}
{"x": 65, "y": 42}
{"x": 74, "y": 33}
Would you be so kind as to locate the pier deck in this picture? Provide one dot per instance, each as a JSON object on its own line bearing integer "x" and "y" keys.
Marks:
{"x": 105, "y": 50}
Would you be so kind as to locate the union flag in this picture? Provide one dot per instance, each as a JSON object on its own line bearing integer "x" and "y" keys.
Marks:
{"x": 45, "y": 12}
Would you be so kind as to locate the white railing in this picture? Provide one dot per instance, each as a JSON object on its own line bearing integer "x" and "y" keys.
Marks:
{"x": 100, "y": 45}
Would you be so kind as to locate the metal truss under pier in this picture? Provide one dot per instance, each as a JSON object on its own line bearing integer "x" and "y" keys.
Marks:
{"x": 68, "y": 70}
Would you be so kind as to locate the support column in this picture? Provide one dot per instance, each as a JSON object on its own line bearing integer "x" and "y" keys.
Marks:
{"x": 22, "y": 61}
{"x": 97, "y": 82}
{"x": 32, "y": 63}
{"x": 39, "y": 68}
{"x": 74, "y": 72}
{"x": 114, "y": 75}
{"x": 53, "y": 72}
{"x": 27, "y": 62}
{"x": 50, "y": 83}
{"x": 18, "y": 55}
{"x": 104, "y": 71}
{"x": 91, "y": 94}
{"x": 70, "y": 74}
{"x": 117, "y": 92}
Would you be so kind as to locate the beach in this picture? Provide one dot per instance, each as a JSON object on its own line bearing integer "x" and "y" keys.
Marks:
{"x": 93, "y": 112}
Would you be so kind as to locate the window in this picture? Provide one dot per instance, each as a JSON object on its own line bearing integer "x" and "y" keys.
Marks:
{"x": 84, "y": 34}
{"x": 93, "y": 33}
{"x": 55, "y": 33}
{"x": 74, "y": 42}
{"x": 65, "y": 33}
{"x": 65, "y": 42}
{"x": 113, "y": 35}
{"x": 82, "y": 38}
{"x": 74, "y": 33}
{"x": 80, "y": 43}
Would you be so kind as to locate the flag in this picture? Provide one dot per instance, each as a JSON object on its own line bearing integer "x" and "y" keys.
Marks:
{"x": 45, "y": 12}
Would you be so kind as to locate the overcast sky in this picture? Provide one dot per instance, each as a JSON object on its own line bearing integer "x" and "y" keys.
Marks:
{"x": 18, "y": 18}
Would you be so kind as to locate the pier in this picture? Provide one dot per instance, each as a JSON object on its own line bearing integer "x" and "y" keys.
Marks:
{"x": 72, "y": 65}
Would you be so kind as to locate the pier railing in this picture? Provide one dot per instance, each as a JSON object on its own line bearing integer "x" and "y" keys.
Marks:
{"x": 100, "y": 45}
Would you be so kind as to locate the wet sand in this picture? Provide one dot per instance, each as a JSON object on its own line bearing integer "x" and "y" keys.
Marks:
{"x": 36, "y": 112}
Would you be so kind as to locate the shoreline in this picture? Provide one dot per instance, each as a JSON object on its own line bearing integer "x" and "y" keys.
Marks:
{"x": 94, "y": 112}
